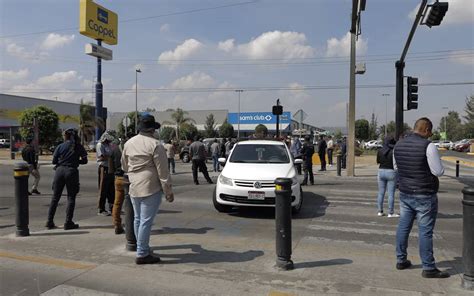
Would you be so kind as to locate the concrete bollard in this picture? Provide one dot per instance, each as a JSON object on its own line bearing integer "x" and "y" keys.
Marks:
{"x": 283, "y": 223}
{"x": 21, "y": 174}
{"x": 468, "y": 238}
{"x": 457, "y": 168}
{"x": 129, "y": 217}
{"x": 338, "y": 163}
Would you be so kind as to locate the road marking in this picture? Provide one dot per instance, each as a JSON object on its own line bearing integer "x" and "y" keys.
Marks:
{"x": 277, "y": 293}
{"x": 48, "y": 261}
{"x": 364, "y": 230}
{"x": 461, "y": 162}
{"x": 72, "y": 290}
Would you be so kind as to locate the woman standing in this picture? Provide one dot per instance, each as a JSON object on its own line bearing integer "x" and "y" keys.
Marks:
{"x": 387, "y": 177}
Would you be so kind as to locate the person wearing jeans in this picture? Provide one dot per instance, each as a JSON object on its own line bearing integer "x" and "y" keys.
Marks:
{"x": 419, "y": 166}
{"x": 215, "y": 152}
{"x": 387, "y": 177}
{"x": 144, "y": 160}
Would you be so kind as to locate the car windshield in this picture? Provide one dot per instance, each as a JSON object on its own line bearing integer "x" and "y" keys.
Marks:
{"x": 259, "y": 153}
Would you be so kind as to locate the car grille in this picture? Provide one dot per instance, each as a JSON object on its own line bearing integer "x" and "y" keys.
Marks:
{"x": 246, "y": 183}
{"x": 245, "y": 200}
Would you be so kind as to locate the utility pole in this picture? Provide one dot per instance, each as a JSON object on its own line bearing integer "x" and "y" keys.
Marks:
{"x": 445, "y": 125}
{"x": 386, "y": 108}
{"x": 136, "y": 99}
{"x": 238, "y": 124}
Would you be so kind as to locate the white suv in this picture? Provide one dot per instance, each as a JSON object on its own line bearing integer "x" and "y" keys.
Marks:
{"x": 249, "y": 174}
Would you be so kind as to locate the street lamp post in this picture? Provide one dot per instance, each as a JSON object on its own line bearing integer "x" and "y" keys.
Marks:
{"x": 238, "y": 122}
{"x": 386, "y": 103}
{"x": 445, "y": 126}
{"x": 136, "y": 99}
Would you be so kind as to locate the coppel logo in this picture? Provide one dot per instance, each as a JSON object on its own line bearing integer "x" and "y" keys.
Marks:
{"x": 102, "y": 15}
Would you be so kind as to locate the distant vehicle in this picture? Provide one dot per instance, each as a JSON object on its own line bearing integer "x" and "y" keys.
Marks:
{"x": 436, "y": 143}
{"x": 184, "y": 154}
{"x": 4, "y": 143}
{"x": 374, "y": 144}
{"x": 249, "y": 174}
{"x": 446, "y": 144}
{"x": 464, "y": 146}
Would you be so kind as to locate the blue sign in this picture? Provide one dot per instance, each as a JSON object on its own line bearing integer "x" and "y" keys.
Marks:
{"x": 258, "y": 117}
{"x": 102, "y": 15}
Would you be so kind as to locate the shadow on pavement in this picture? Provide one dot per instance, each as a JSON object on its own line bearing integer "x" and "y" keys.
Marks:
{"x": 170, "y": 230}
{"x": 202, "y": 256}
{"x": 339, "y": 261}
{"x": 449, "y": 216}
{"x": 59, "y": 233}
{"x": 453, "y": 267}
{"x": 314, "y": 205}
{"x": 97, "y": 227}
{"x": 169, "y": 212}
{"x": 468, "y": 181}
{"x": 6, "y": 226}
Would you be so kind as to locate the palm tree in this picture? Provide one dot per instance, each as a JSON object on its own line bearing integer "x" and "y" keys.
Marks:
{"x": 179, "y": 118}
{"x": 87, "y": 122}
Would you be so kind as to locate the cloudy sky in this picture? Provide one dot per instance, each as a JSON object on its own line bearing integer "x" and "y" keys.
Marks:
{"x": 194, "y": 54}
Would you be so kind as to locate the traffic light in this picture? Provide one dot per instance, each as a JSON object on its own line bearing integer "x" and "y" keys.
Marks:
{"x": 277, "y": 110}
{"x": 437, "y": 13}
{"x": 412, "y": 93}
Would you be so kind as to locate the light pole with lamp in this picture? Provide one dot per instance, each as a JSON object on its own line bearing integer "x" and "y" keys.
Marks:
{"x": 386, "y": 121}
{"x": 445, "y": 126}
{"x": 238, "y": 122}
{"x": 136, "y": 99}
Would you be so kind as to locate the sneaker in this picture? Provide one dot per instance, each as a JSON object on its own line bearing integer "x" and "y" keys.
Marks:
{"x": 103, "y": 213}
{"x": 150, "y": 259}
{"x": 380, "y": 214}
{"x": 435, "y": 274}
{"x": 393, "y": 215}
{"x": 119, "y": 229}
{"x": 404, "y": 265}
{"x": 70, "y": 225}
{"x": 35, "y": 191}
{"x": 50, "y": 225}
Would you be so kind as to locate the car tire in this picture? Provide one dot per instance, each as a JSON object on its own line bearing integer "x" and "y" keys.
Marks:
{"x": 185, "y": 158}
{"x": 220, "y": 208}
{"x": 296, "y": 209}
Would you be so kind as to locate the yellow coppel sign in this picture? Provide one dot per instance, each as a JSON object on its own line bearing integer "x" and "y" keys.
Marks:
{"x": 98, "y": 22}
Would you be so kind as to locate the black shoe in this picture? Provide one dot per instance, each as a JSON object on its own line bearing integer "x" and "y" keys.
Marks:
{"x": 435, "y": 274}
{"x": 36, "y": 191}
{"x": 150, "y": 259}
{"x": 196, "y": 183}
{"x": 404, "y": 265}
{"x": 210, "y": 182}
{"x": 103, "y": 213}
{"x": 29, "y": 193}
{"x": 50, "y": 225}
{"x": 304, "y": 184}
{"x": 70, "y": 225}
{"x": 312, "y": 183}
{"x": 119, "y": 230}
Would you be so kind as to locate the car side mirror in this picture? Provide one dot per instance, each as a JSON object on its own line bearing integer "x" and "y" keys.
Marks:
{"x": 222, "y": 160}
{"x": 298, "y": 161}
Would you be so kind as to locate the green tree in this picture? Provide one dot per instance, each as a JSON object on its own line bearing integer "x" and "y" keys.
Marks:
{"x": 338, "y": 134}
{"x": 86, "y": 122}
{"x": 469, "y": 117}
{"x": 261, "y": 131}
{"x": 362, "y": 129}
{"x": 226, "y": 130}
{"x": 452, "y": 125}
{"x": 167, "y": 133}
{"x": 179, "y": 119}
{"x": 373, "y": 127}
{"x": 210, "y": 127}
{"x": 188, "y": 131}
{"x": 391, "y": 128}
{"x": 130, "y": 120}
{"x": 47, "y": 121}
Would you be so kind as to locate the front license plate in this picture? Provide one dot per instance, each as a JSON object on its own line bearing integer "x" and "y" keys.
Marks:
{"x": 256, "y": 195}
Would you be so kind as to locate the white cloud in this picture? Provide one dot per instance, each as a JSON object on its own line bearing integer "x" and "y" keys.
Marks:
{"x": 462, "y": 57}
{"x": 181, "y": 52}
{"x": 13, "y": 75}
{"x": 227, "y": 45}
{"x": 21, "y": 52}
{"x": 57, "y": 79}
{"x": 459, "y": 12}
{"x": 276, "y": 44}
{"x": 342, "y": 47}
{"x": 54, "y": 40}
{"x": 165, "y": 28}
{"x": 194, "y": 80}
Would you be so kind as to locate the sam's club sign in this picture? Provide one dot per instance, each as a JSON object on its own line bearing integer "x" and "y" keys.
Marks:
{"x": 258, "y": 117}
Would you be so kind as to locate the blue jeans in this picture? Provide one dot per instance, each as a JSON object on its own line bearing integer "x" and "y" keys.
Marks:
{"x": 424, "y": 208}
{"x": 386, "y": 180}
{"x": 145, "y": 209}
{"x": 215, "y": 162}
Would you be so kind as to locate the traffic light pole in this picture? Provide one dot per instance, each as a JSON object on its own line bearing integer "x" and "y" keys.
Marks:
{"x": 400, "y": 65}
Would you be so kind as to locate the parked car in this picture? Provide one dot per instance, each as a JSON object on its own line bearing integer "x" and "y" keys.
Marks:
{"x": 464, "y": 145}
{"x": 4, "y": 143}
{"x": 184, "y": 154}
{"x": 374, "y": 144}
{"x": 446, "y": 144}
{"x": 436, "y": 143}
{"x": 249, "y": 174}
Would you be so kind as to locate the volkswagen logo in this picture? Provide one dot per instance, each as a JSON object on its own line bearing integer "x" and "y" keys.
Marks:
{"x": 257, "y": 185}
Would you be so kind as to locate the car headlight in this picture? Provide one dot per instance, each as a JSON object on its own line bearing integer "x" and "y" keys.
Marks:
{"x": 225, "y": 180}
{"x": 294, "y": 181}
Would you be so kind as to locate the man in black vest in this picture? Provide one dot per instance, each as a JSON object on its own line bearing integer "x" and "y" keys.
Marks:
{"x": 419, "y": 166}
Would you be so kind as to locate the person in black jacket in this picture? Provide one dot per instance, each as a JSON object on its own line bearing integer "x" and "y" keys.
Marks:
{"x": 29, "y": 155}
{"x": 322, "y": 152}
{"x": 387, "y": 176}
{"x": 307, "y": 151}
{"x": 67, "y": 157}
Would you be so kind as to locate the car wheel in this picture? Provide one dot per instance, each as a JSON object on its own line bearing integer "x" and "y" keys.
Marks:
{"x": 220, "y": 208}
{"x": 185, "y": 158}
{"x": 296, "y": 209}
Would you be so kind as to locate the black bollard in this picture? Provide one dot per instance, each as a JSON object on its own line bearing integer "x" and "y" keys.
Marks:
{"x": 457, "y": 168}
{"x": 468, "y": 238}
{"x": 129, "y": 218}
{"x": 283, "y": 223}
{"x": 21, "y": 173}
{"x": 338, "y": 163}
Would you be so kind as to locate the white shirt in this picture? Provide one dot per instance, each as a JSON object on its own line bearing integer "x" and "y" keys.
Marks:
{"x": 434, "y": 160}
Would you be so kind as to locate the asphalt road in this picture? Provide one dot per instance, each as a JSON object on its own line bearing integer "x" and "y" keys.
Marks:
{"x": 337, "y": 239}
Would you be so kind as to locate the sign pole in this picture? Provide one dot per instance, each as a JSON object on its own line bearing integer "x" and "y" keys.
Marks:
{"x": 278, "y": 122}
{"x": 98, "y": 97}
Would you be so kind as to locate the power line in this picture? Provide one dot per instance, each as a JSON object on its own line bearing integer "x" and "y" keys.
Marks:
{"x": 137, "y": 19}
